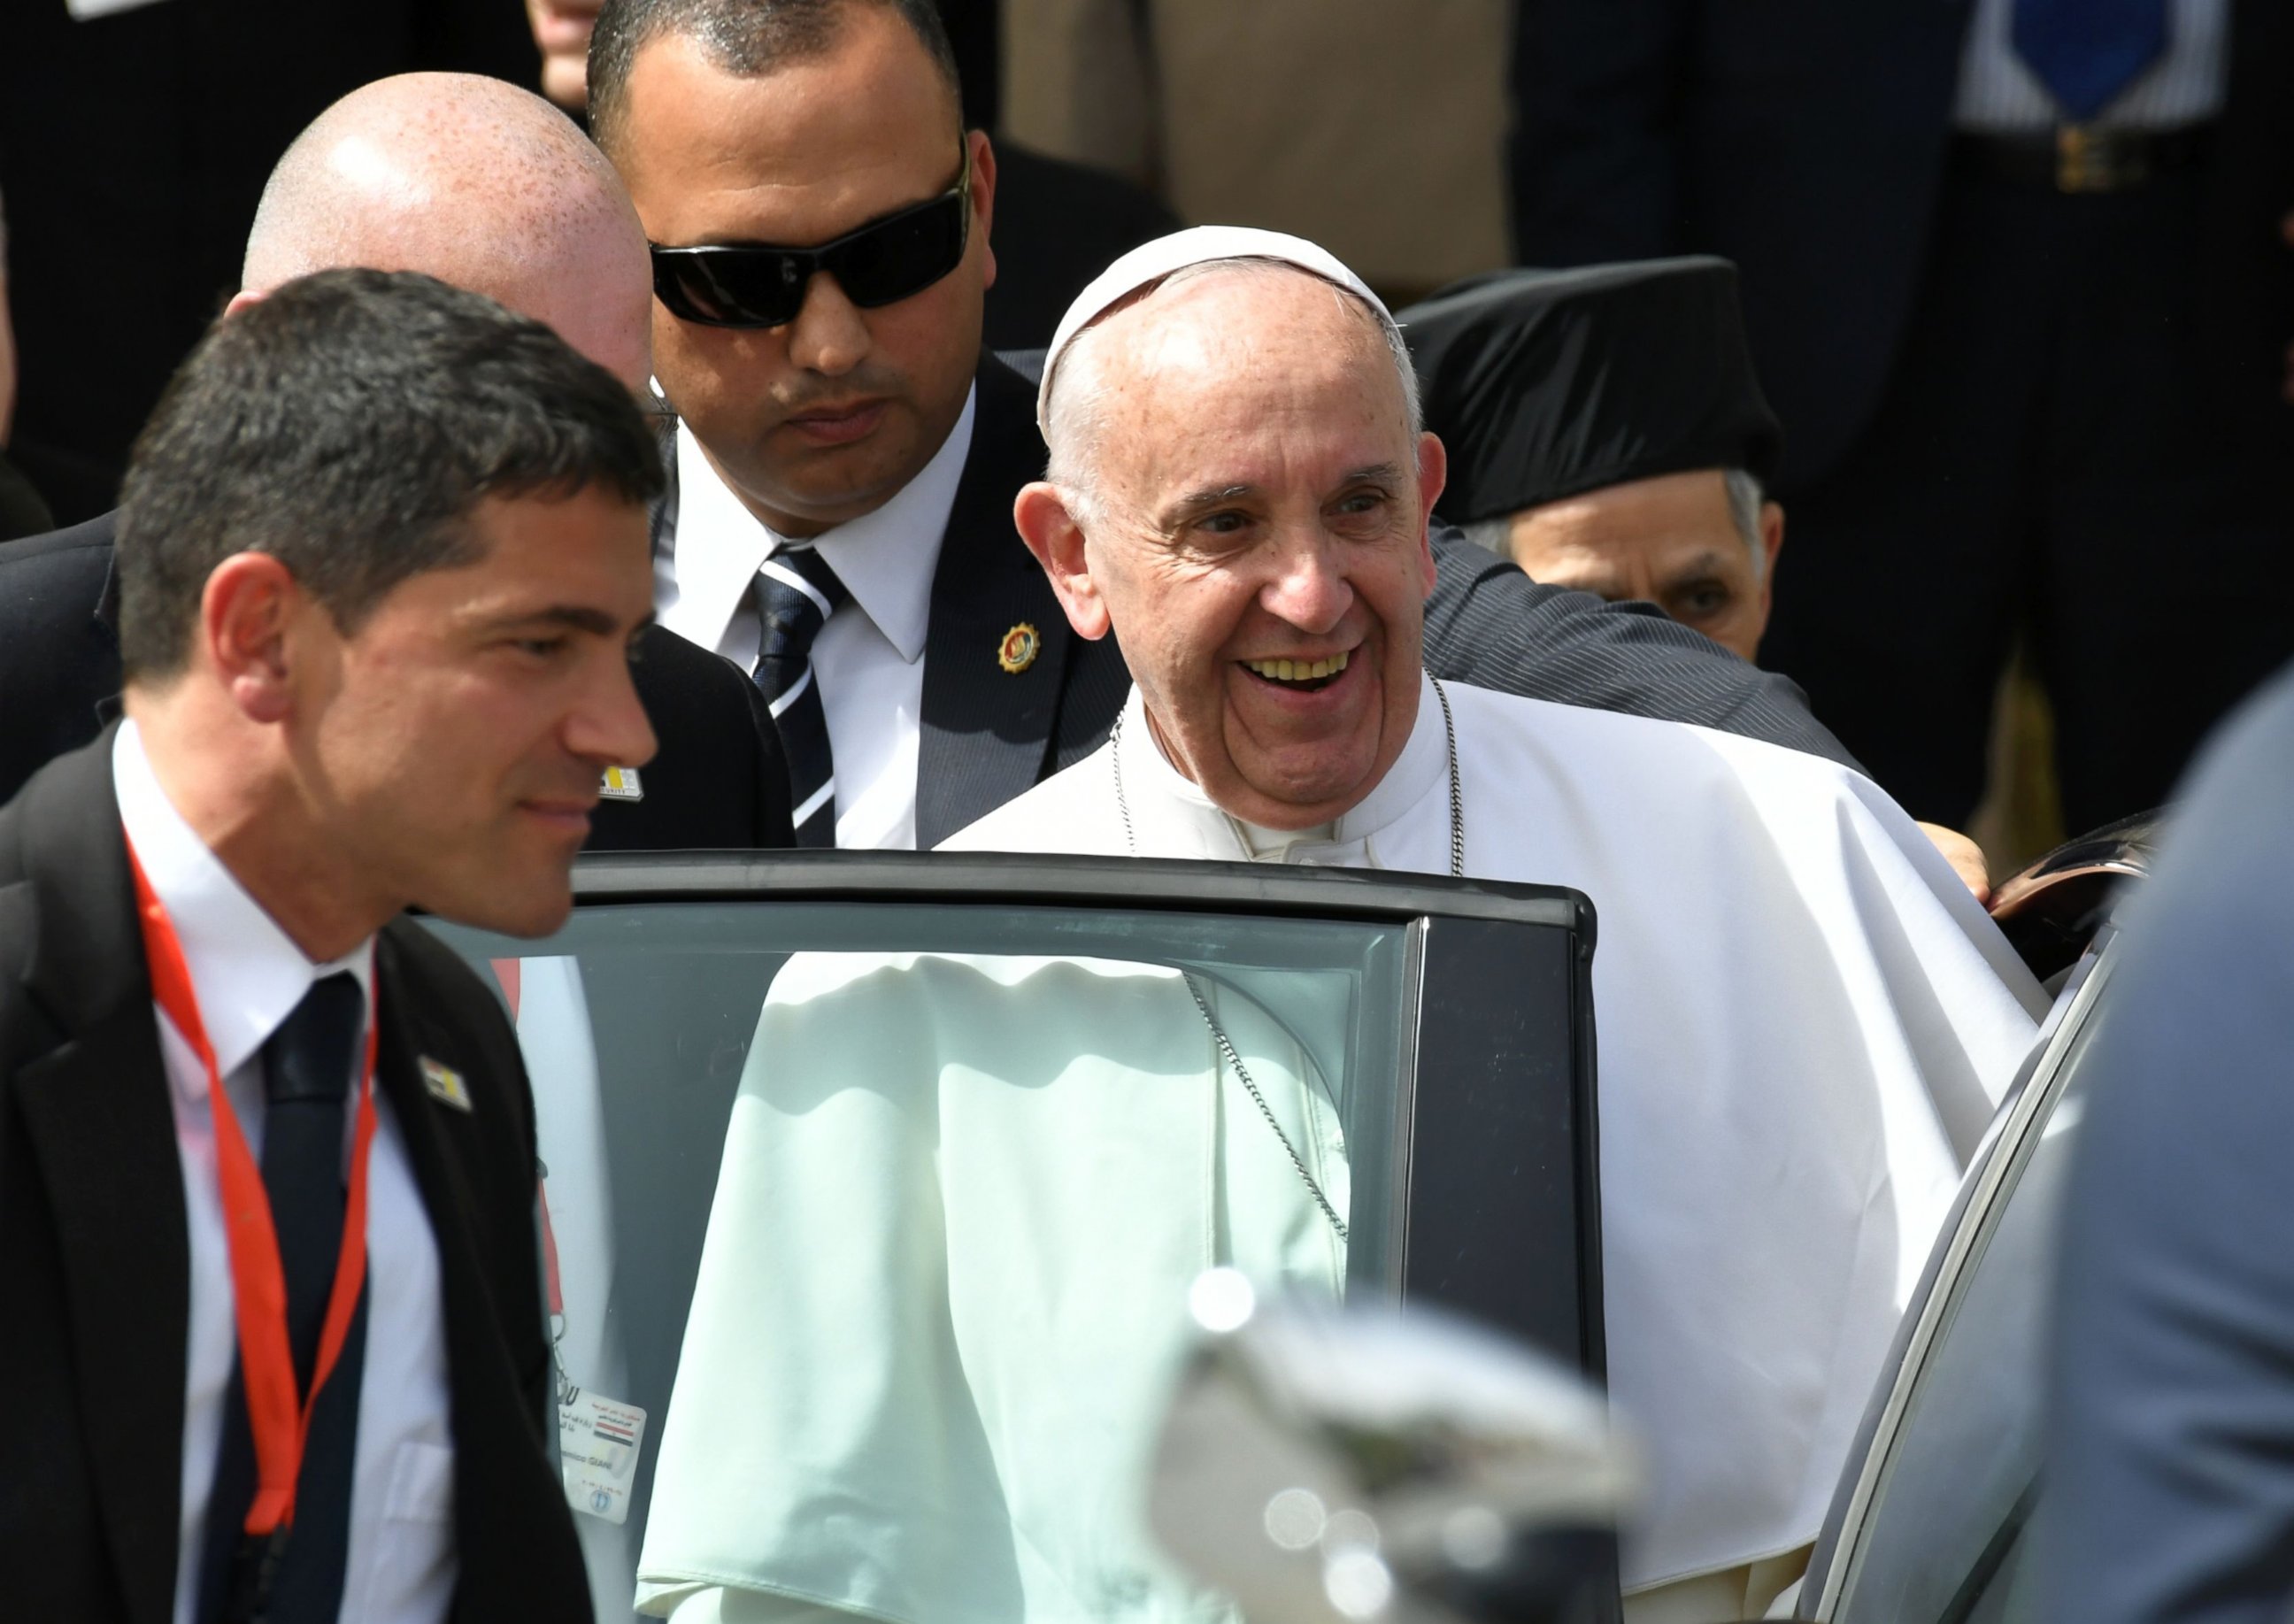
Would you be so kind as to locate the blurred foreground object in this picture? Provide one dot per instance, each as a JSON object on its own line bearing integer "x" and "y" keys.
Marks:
{"x": 2172, "y": 1445}
{"x": 1327, "y": 1464}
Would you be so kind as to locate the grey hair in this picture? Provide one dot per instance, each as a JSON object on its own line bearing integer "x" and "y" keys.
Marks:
{"x": 1073, "y": 408}
{"x": 1745, "y": 498}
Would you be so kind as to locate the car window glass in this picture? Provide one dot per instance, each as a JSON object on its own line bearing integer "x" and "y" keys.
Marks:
{"x": 1944, "y": 1537}
{"x": 870, "y": 1226}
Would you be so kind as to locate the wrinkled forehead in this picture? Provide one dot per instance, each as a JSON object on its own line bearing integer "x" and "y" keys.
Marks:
{"x": 1250, "y": 365}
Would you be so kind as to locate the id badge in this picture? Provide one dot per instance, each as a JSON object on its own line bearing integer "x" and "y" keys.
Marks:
{"x": 597, "y": 1443}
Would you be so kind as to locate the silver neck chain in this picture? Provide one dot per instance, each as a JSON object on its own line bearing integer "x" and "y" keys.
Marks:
{"x": 1202, "y": 1002}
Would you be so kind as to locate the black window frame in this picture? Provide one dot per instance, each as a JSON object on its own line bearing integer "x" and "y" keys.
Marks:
{"x": 1483, "y": 1244}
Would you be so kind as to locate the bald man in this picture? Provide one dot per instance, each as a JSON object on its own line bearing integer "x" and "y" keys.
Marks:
{"x": 492, "y": 188}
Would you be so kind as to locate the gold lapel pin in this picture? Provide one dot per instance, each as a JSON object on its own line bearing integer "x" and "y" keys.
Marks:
{"x": 1019, "y": 649}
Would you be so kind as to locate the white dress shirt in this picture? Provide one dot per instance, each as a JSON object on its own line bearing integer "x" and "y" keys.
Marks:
{"x": 869, "y": 659}
{"x": 249, "y": 977}
{"x": 1998, "y": 94}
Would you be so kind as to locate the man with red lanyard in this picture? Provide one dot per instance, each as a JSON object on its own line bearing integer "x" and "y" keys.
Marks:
{"x": 274, "y": 1340}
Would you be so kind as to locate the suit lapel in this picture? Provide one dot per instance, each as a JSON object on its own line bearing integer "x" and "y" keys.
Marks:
{"x": 514, "y": 1540}
{"x": 473, "y": 1333}
{"x": 986, "y": 731}
{"x": 95, "y": 1112}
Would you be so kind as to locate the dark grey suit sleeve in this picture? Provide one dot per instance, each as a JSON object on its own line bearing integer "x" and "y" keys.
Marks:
{"x": 2170, "y": 1469}
{"x": 1489, "y": 624}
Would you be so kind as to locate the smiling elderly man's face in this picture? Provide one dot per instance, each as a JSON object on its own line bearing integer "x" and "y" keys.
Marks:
{"x": 1242, "y": 502}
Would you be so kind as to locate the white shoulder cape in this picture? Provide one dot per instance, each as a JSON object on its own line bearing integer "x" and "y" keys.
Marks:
{"x": 1804, "y": 1021}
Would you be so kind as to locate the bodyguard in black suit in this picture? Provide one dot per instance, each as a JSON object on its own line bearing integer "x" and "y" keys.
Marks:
{"x": 382, "y": 554}
{"x": 2017, "y": 286}
{"x": 808, "y": 420}
{"x": 719, "y": 780}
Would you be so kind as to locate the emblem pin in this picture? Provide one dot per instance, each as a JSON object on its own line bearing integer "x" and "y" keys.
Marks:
{"x": 445, "y": 1083}
{"x": 1019, "y": 649}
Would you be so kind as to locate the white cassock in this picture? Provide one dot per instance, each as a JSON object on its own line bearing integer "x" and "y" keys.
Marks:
{"x": 1804, "y": 1022}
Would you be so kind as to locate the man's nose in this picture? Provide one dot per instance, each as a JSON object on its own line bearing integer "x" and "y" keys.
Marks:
{"x": 1310, "y": 590}
{"x": 609, "y": 725}
{"x": 828, "y": 336}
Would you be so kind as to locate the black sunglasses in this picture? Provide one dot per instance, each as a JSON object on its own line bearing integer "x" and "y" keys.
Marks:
{"x": 882, "y": 263}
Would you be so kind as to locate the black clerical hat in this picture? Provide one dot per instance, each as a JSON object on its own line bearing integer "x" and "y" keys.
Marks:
{"x": 1546, "y": 383}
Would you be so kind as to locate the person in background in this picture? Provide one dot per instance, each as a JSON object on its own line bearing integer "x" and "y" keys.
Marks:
{"x": 858, "y": 440}
{"x": 1605, "y": 432}
{"x": 486, "y": 186}
{"x": 2170, "y": 1444}
{"x": 125, "y": 124}
{"x": 561, "y": 33}
{"x": 382, "y": 556}
{"x": 2017, "y": 282}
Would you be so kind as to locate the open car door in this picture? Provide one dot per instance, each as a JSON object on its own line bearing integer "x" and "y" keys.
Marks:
{"x": 873, "y": 1186}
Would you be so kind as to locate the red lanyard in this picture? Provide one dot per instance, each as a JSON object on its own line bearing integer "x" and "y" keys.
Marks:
{"x": 279, "y": 1419}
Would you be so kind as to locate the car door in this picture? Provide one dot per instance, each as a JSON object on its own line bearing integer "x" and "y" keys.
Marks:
{"x": 818, "y": 1131}
{"x": 1931, "y": 1522}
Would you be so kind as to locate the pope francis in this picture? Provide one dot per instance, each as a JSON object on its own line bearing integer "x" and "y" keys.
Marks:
{"x": 1804, "y": 1023}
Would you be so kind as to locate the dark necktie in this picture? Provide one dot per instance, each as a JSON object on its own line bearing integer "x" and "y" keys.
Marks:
{"x": 2086, "y": 51}
{"x": 307, "y": 1079}
{"x": 796, "y": 593}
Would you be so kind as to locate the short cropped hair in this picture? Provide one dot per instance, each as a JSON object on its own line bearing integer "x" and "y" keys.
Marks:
{"x": 349, "y": 425}
{"x": 750, "y": 38}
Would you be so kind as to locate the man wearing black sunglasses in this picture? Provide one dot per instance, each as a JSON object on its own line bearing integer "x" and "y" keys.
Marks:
{"x": 848, "y": 456}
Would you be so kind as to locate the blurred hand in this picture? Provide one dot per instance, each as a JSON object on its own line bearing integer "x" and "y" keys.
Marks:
{"x": 1965, "y": 856}
{"x": 561, "y": 28}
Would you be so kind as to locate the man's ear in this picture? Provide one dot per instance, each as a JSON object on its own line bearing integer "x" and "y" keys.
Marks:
{"x": 1432, "y": 473}
{"x": 243, "y": 298}
{"x": 1772, "y": 542}
{"x": 983, "y": 201}
{"x": 246, "y": 612}
{"x": 1052, "y": 532}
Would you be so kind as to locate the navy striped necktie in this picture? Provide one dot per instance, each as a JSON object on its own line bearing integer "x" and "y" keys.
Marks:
{"x": 796, "y": 593}
{"x": 2086, "y": 51}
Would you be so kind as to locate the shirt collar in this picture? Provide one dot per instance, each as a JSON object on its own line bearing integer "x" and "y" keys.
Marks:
{"x": 1371, "y": 832}
{"x": 247, "y": 972}
{"x": 886, "y": 558}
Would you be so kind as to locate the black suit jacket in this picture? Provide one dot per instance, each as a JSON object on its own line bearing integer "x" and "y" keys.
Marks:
{"x": 1805, "y": 140}
{"x": 719, "y": 780}
{"x": 988, "y": 733}
{"x": 94, "y": 1253}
